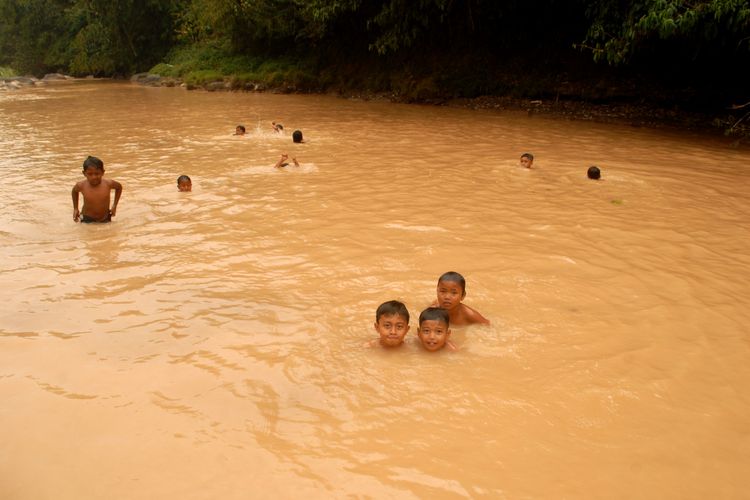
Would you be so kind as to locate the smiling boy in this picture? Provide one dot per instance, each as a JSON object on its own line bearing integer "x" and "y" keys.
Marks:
{"x": 95, "y": 190}
{"x": 392, "y": 323}
{"x": 434, "y": 329}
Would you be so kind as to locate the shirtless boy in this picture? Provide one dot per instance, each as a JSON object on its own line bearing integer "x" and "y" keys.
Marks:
{"x": 451, "y": 290}
{"x": 95, "y": 190}
{"x": 434, "y": 329}
{"x": 391, "y": 323}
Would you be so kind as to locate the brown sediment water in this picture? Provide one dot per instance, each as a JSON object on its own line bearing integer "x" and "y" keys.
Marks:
{"x": 210, "y": 344}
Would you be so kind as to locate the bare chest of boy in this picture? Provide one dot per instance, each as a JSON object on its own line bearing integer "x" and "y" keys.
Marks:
{"x": 96, "y": 199}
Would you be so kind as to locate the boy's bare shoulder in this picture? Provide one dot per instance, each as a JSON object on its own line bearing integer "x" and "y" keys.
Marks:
{"x": 473, "y": 316}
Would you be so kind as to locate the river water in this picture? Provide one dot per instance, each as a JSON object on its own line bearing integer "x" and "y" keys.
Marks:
{"x": 212, "y": 344}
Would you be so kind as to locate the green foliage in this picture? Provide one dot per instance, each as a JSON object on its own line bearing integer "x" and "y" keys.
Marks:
{"x": 205, "y": 63}
{"x": 121, "y": 36}
{"x": 402, "y": 21}
{"x": 617, "y": 32}
{"x": 30, "y": 32}
{"x": 6, "y": 72}
{"x": 205, "y": 56}
{"x": 201, "y": 77}
{"x": 104, "y": 37}
{"x": 166, "y": 70}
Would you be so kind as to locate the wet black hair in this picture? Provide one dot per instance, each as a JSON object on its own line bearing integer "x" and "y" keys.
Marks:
{"x": 241, "y": 127}
{"x": 455, "y": 277}
{"x": 434, "y": 314}
{"x": 528, "y": 155}
{"x": 297, "y": 136}
{"x": 93, "y": 161}
{"x": 390, "y": 308}
{"x": 594, "y": 172}
{"x": 183, "y": 178}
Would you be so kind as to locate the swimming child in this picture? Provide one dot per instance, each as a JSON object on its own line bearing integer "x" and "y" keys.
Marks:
{"x": 451, "y": 290}
{"x": 594, "y": 173}
{"x": 527, "y": 160}
{"x": 95, "y": 190}
{"x": 434, "y": 329}
{"x": 239, "y": 130}
{"x": 277, "y": 127}
{"x": 392, "y": 323}
{"x": 283, "y": 163}
{"x": 297, "y": 136}
{"x": 184, "y": 183}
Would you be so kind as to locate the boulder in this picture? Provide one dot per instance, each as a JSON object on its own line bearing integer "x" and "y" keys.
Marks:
{"x": 55, "y": 76}
{"x": 146, "y": 79}
{"x": 17, "y": 82}
{"x": 217, "y": 85}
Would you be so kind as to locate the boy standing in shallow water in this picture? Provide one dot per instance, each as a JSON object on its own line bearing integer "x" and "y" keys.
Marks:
{"x": 391, "y": 323}
{"x": 434, "y": 329}
{"x": 451, "y": 290}
{"x": 95, "y": 190}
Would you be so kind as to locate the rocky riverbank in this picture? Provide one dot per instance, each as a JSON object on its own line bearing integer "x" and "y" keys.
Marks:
{"x": 732, "y": 123}
{"x": 18, "y": 82}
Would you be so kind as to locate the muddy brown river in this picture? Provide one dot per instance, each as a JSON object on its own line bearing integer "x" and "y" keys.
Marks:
{"x": 211, "y": 344}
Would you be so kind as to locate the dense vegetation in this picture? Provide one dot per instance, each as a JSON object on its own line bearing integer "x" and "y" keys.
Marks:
{"x": 693, "y": 52}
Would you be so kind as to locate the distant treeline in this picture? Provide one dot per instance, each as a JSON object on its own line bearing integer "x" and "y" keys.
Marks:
{"x": 703, "y": 42}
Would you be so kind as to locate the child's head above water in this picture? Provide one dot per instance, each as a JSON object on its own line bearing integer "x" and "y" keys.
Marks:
{"x": 239, "y": 130}
{"x": 527, "y": 159}
{"x": 93, "y": 170}
{"x": 434, "y": 328}
{"x": 392, "y": 323}
{"x": 594, "y": 172}
{"x": 451, "y": 289}
{"x": 184, "y": 183}
{"x": 297, "y": 136}
{"x": 93, "y": 162}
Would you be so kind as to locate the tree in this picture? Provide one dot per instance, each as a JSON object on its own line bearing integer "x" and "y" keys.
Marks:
{"x": 619, "y": 31}
{"x": 30, "y": 34}
{"x": 121, "y": 36}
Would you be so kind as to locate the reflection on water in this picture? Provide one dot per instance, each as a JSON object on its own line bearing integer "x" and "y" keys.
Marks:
{"x": 208, "y": 344}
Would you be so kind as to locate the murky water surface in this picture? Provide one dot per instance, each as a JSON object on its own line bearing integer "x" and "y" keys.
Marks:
{"x": 210, "y": 344}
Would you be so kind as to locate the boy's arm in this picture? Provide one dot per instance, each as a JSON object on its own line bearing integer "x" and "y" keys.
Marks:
{"x": 281, "y": 160}
{"x": 118, "y": 191}
{"x": 76, "y": 212}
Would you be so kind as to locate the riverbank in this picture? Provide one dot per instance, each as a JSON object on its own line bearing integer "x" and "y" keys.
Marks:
{"x": 633, "y": 113}
{"x": 562, "y": 83}
{"x": 575, "y": 102}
